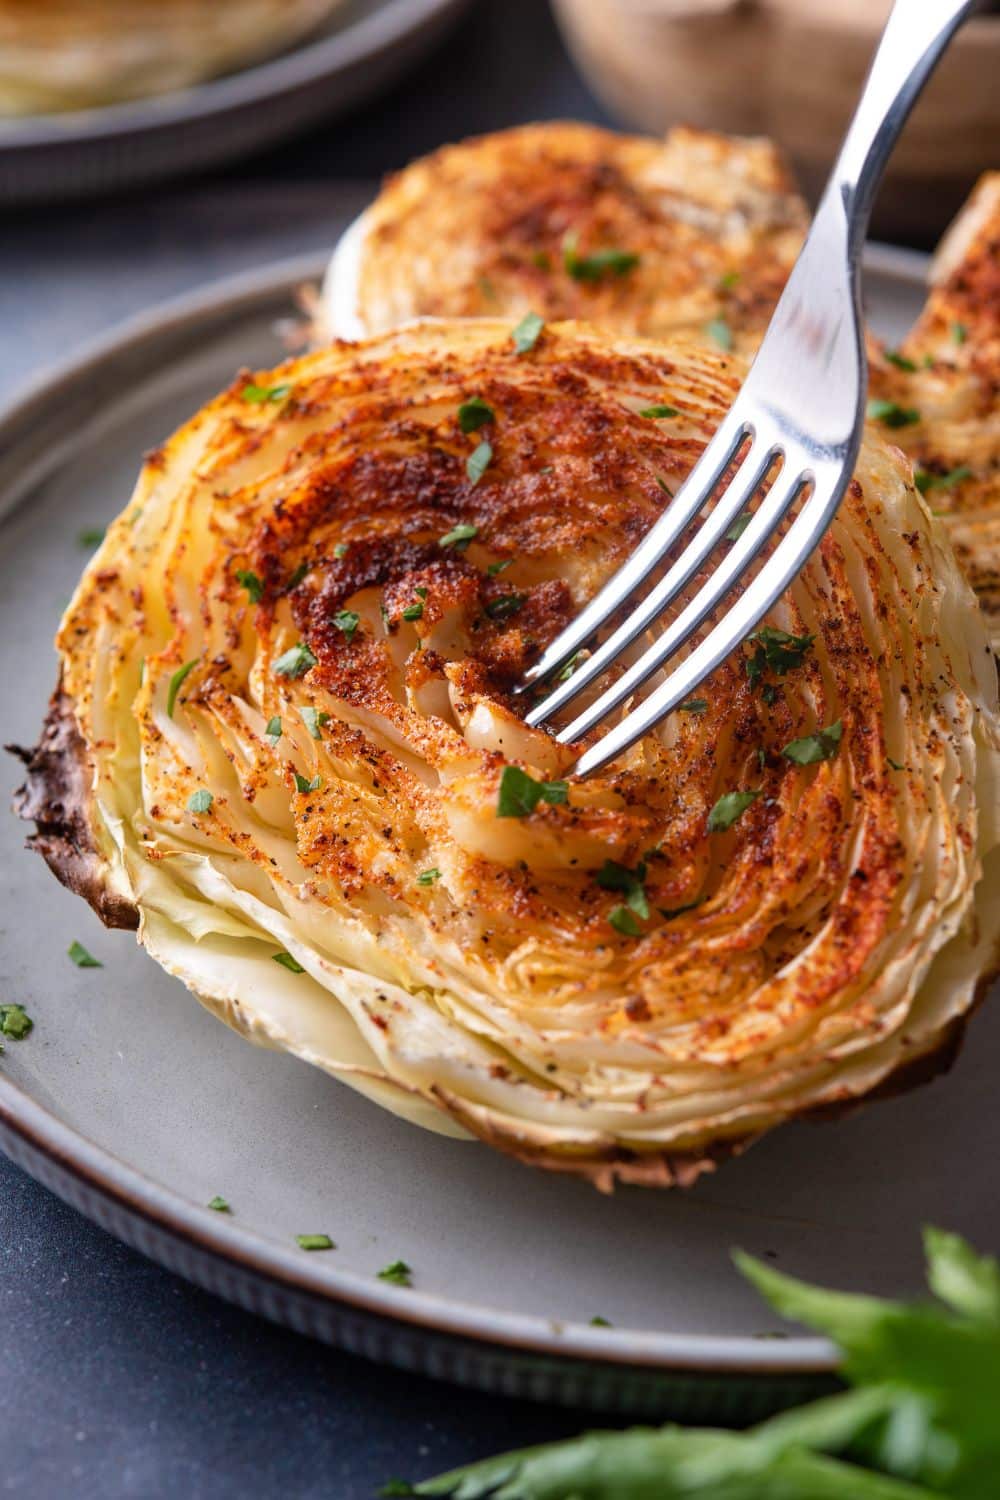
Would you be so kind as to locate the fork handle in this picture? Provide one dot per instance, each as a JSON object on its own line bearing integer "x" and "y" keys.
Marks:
{"x": 916, "y": 34}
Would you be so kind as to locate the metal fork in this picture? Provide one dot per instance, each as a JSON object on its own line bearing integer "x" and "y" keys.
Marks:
{"x": 801, "y": 407}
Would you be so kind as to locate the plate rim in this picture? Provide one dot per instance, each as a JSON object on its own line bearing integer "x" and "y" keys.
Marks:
{"x": 140, "y": 1200}
{"x": 308, "y": 62}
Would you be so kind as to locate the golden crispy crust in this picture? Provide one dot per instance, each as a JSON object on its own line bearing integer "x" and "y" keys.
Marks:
{"x": 57, "y": 798}
{"x": 480, "y": 229}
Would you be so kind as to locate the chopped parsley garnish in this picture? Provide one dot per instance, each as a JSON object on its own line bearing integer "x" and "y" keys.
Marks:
{"x": 479, "y": 461}
{"x": 959, "y": 332}
{"x": 83, "y": 960}
{"x": 288, "y": 962}
{"x": 720, "y": 333}
{"x": 295, "y": 662}
{"x": 92, "y": 536}
{"x": 615, "y": 877}
{"x": 340, "y": 550}
{"x": 200, "y": 801}
{"x": 727, "y": 282}
{"x": 598, "y": 1322}
{"x": 398, "y": 1272}
{"x": 777, "y": 650}
{"x": 347, "y": 622}
{"x": 249, "y": 581}
{"x": 730, "y": 806}
{"x": 526, "y": 334}
{"x": 499, "y": 567}
{"x": 740, "y": 525}
{"x": 414, "y": 611}
{"x": 600, "y": 263}
{"x": 900, "y": 361}
{"x": 812, "y": 748}
{"x": 314, "y": 1242}
{"x": 669, "y": 912}
{"x": 624, "y": 921}
{"x": 459, "y": 536}
{"x": 925, "y": 480}
{"x": 220, "y": 1205}
{"x": 175, "y": 684}
{"x": 428, "y": 877}
{"x": 891, "y": 414}
{"x": 475, "y": 413}
{"x": 693, "y": 706}
{"x": 15, "y": 1022}
{"x": 520, "y": 793}
{"x": 659, "y": 411}
{"x": 256, "y": 395}
{"x": 297, "y": 577}
{"x": 302, "y": 784}
{"x": 895, "y": 764}
{"x": 505, "y": 606}
{"x": 314, "y": 719}
{"x": 273, "y": 730}
{"x": 570, "y": 667}
{"x": 664, "y": 486}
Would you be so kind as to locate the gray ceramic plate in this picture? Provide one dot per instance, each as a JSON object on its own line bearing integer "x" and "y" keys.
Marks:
{"x": 135, "y": 1105}
{"x": 74, "y": 155}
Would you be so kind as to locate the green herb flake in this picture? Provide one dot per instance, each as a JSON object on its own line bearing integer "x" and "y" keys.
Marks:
{"x": 314, "y": 719}
{"x": 479, "y": 461}
{"x": 900, "y": 361}
{"x": 740, "y": 525}
{"x": 83, "y": 960}
{"x": 499, "y": 567}
{"x": 505, "y": 606}
{"x": 15, "y": 1022}
{"x": 273, "y": 730}
{"x": 778, "y": 651}
{"x": 624, "y": 921}
{"x": 730, "y": 806}
{"x": 340, "y": 550}
{"x": 428, "y": 877}
{"x": 520, "y": 793}
{"x": 220, "y": 1205}
{"x": 598, "y": 1322}
{"x": 459, "y": 536}
{"x": 297, "y": 577}
{"x": 656, "y": 412}
{"x": 615, "y": 877}
{"x": 693, "y": 706}
{"x": 925, "y": 480}
{"x": 812, "y": 748}
{"x": 895, "y": 764}
{"x": 200, "y": 801}
{"x": 314, "y": 1242}
{"x": 398, "y": 1272}
{"x": 570, "y": 667}
{"x": 475, "y": 413}
{"x": 176, "y": 682}
{"x": 668, "y": 913}
{"x": 347, "y": 622}
{"x": 414, "y": 611}
{"x": 295, "y": 662}
{"x": 891, "y": 414}
{"x": 288, "y": 962}
{"x": 257, "y": 395}
{"x": 959, "y": 333}
{"x": 600, "y": 263}
{"x": 527, "y": 332}
{"x": 303, "y": 784}
{"x": 92, "y": 536}
{"x": 720, "y": 333}
{"x": 249, "y": 580}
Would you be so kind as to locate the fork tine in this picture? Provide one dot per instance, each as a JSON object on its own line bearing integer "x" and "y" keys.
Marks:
{"x": 777, "y": 573}
{"x": 731, "y": 502}
{"x": 655, "y": 544}
{"x": 770, "y": 511}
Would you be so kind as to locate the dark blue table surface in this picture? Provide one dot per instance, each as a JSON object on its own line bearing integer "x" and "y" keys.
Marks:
{"x": 116, "y": 1378}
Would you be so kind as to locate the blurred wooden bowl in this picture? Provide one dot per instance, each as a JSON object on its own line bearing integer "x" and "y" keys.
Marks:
{"x": 792, "y": 70}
